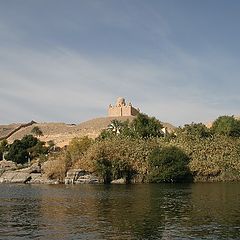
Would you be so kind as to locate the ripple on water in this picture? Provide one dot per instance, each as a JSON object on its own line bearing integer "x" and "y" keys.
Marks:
{"x": 190, "y": 211}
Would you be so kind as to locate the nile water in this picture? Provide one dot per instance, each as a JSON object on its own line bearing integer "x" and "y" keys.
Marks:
{"x": 154, "y": 211}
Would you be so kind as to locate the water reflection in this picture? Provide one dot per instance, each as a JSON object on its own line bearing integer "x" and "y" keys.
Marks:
{"x": 120, "y": 212}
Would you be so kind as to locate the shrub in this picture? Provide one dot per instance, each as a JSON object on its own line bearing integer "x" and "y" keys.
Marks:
{"x": 145, "y": 127}
{"x": 132, "y": 151}
{"x": 226, "y": 125}
{"x": 76, "y": 149}
{"x": 103, "y": 168}
{"x": 37, "y": 131}
{"x": 56, "y": 167}
{"x": 17, "y": 152}
{"x": 194, "y": 130}
{"x": 105, "y": 134}
{"x": 168, "y": 164}
{"x": 29, "y": 147}
{"x": 215, "y": 158}
{"x": 127, "y": 156}
{"x": 142, "y": 126}
{"x": 122, "y": 169}
{"x": 109, "y": 170}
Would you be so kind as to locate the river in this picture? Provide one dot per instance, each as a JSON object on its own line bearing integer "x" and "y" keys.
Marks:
{"x": 147, "y": 211}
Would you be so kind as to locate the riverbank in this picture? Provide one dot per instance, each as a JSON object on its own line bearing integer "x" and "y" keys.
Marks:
{"x": 35, "y": 174}
{"x": 138, "y": 153}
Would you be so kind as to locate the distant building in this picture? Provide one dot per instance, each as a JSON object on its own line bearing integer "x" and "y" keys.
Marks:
{"x": 122, "y": 109}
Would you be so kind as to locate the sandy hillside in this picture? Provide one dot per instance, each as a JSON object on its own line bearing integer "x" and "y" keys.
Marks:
{"x": 62, "y": 133}
{"x": 6, "y": 129}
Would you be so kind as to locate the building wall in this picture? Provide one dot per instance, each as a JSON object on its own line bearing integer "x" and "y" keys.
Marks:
{"x": 126, "y": 110}
{"x": 122, "y": 111}
{"x": 114, "y": 111}
{"x": 134, "y": 111}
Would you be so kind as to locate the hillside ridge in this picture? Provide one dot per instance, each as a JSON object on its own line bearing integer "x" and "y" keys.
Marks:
{"x": 62, "y": 133}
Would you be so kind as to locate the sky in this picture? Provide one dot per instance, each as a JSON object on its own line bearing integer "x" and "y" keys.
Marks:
{"x": 67, "y": 60}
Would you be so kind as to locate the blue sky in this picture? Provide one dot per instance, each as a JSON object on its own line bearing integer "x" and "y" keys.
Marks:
{"x": 66, "y": 61}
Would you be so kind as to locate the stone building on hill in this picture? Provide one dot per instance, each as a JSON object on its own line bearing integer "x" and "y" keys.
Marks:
{"x": 122, "y": 109}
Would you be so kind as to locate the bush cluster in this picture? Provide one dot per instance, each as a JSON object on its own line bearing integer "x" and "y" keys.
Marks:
{"x": 139, "y": 150}
{"x": 28, "y": 148}
{"x": 168, "y": 164}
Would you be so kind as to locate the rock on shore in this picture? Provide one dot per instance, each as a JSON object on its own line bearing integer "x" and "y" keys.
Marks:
{"x": 35, "y": 175}
{"x": 79, "y": 176}
{"x": 31, "y": 174}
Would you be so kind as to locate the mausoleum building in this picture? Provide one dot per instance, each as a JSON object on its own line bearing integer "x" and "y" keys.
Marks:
{"x": 122, "y": 109}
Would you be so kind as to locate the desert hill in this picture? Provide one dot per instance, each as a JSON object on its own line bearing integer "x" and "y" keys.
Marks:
{"x": 62, "y": 133}
{"x": 7, "y": 129}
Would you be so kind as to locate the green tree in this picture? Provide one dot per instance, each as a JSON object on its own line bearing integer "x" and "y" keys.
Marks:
{"x": 29, "y": 141}
{"x": 144, "y": 126}
{"x": 195, "y": 130}
{"x": 38, "y": 149}
{"x": 37, "y": 131}
{"x": 122, "y": 169}
{"x": 169, "y": 164}
{"x": 226, "y": 125}
{"x": 17, "y": 152}
{"x": 115, "y": 126}
{"x": 105, "y": 134}
{"x": 109, "y": 170}
{"x": 104, "y": 169}
{"x": 29, "y": 147}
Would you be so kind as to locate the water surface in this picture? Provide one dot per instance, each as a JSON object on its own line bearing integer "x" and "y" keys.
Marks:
{"x": 154, "y": 211}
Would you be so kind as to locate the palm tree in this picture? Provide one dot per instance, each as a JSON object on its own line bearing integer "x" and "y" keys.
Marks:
{"x": 115, "y": 126}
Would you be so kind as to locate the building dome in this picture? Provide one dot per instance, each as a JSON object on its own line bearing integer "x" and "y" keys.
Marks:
{"x": 120, "y": 101}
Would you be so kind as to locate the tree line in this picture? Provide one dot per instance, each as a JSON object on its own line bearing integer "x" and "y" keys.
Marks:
{"x": 140, "y": 151}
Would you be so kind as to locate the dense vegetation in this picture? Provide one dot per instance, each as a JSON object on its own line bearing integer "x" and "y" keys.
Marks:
{"x": 226, "y": 125}
{"x": 139, "y": 151}
{"x": 141, "y": 127}
{"x": 168, "y": 164}
{"x": 24, "y": 150}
